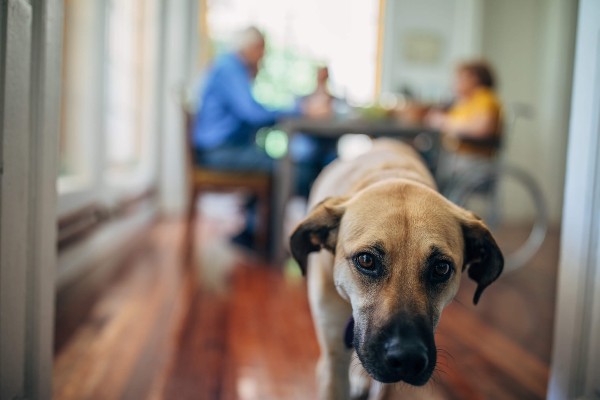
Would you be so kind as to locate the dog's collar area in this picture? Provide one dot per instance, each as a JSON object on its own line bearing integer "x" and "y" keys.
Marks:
{"x": 349, "y": 333}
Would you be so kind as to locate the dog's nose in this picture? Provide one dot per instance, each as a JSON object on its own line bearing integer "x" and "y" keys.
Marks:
{"x": 409, "y": 359}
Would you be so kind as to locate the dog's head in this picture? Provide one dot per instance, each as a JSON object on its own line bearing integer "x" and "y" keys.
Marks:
{"x": 400, "y": 249}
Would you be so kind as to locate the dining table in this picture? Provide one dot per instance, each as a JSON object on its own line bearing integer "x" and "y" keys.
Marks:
{"x": 425, "y": 140}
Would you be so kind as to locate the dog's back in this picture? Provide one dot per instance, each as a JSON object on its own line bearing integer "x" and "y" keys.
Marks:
{"x": 386, "y": 159}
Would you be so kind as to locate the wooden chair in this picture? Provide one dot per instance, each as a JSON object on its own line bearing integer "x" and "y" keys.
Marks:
{"x": 201, "y": 180}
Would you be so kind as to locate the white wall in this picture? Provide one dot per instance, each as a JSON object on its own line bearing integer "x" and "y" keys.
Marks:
{"x": 558, "y": 54}
{"x": 453, "y": 22}
{"x": 530, "y": 43}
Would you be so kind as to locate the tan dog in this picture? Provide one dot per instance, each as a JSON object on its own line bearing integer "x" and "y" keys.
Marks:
{"x": 388, "y": 253}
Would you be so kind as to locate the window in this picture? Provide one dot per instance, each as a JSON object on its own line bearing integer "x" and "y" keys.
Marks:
{"x": 109, "y": 85}
{"x": 301, "y": 35}
{"x": 129, "y": 73}
{"x": 80, "y": 75}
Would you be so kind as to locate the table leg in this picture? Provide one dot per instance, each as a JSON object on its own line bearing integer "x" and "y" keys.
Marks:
{"x": 284, "y": 179}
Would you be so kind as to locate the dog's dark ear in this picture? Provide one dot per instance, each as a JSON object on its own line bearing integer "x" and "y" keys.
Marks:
{"x": 318, "y": 230}
{"x": 483, "y": 258}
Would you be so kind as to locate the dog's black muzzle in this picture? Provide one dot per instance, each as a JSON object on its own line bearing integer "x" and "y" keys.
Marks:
{"x": 404, "y": 350}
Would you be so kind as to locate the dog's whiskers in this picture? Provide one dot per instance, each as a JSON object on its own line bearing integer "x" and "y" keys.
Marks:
{"x": 438, "y": 371}
{"x": 445, "y": 359}
{"x": 358, "y": 364}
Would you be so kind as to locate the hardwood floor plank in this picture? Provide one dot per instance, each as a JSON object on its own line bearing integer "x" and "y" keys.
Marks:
{"x": 155, "y": 356}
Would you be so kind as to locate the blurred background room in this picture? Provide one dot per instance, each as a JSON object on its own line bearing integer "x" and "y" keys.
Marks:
{"x": 143, "y": 260}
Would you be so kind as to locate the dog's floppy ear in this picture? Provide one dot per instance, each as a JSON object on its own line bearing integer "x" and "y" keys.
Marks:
{"x": 318, "y": 230}
{"x": 483, "y": 258}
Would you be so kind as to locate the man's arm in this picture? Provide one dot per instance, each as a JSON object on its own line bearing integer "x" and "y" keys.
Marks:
{"x": 238, "y": 93}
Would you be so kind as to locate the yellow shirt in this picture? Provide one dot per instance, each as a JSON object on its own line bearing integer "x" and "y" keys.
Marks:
{"x": 482, "y": 102}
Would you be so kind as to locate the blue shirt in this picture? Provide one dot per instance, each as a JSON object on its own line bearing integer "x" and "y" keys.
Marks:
{"x": 228, "y": 114}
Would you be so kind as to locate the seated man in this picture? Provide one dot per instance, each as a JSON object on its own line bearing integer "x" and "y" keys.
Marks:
{"x": 229, "y": 117}
{"x": 471, "y": 126}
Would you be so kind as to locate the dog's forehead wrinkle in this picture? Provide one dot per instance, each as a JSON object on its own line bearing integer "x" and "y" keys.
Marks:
{"x": 439, "y": 250}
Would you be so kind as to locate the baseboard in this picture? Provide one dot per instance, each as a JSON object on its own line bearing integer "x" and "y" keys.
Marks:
{"x": 105, "y": 246}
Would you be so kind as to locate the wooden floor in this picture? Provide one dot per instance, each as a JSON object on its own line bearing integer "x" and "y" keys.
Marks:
{"x": 227, "y": 327}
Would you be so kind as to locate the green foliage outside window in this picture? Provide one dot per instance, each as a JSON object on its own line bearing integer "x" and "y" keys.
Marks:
{"x": 285, "y": 75}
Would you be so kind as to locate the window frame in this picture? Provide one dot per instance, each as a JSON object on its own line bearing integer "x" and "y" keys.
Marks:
{"x": 94, "y": 185}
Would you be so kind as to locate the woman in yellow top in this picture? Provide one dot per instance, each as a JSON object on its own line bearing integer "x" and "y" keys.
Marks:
{"x": 472, "y": 126}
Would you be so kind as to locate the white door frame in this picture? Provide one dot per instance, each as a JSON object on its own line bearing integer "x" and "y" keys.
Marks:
{"x": 575, "y": 371}
{"x": 30, "y": 55}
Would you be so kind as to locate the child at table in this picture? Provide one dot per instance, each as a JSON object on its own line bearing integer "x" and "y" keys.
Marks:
{"x": 311, "y": 154}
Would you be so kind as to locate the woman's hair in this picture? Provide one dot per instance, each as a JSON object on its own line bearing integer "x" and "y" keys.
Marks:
{"x": 481, "y": 70}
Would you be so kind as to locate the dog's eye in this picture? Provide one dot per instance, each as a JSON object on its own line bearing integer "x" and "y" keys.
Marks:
{"x": 366, "y": 263}
{"x": 441, "y": 271}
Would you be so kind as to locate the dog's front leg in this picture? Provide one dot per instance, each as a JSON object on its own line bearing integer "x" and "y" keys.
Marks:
{"x": 381, "y": 391}
{"x": 360, "y": 381}
{"x": 330, "y": 315}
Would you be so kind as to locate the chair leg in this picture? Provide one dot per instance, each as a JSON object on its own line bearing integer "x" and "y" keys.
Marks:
{"x": 190, "y": 237}
{"x": 263, "y": 208}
